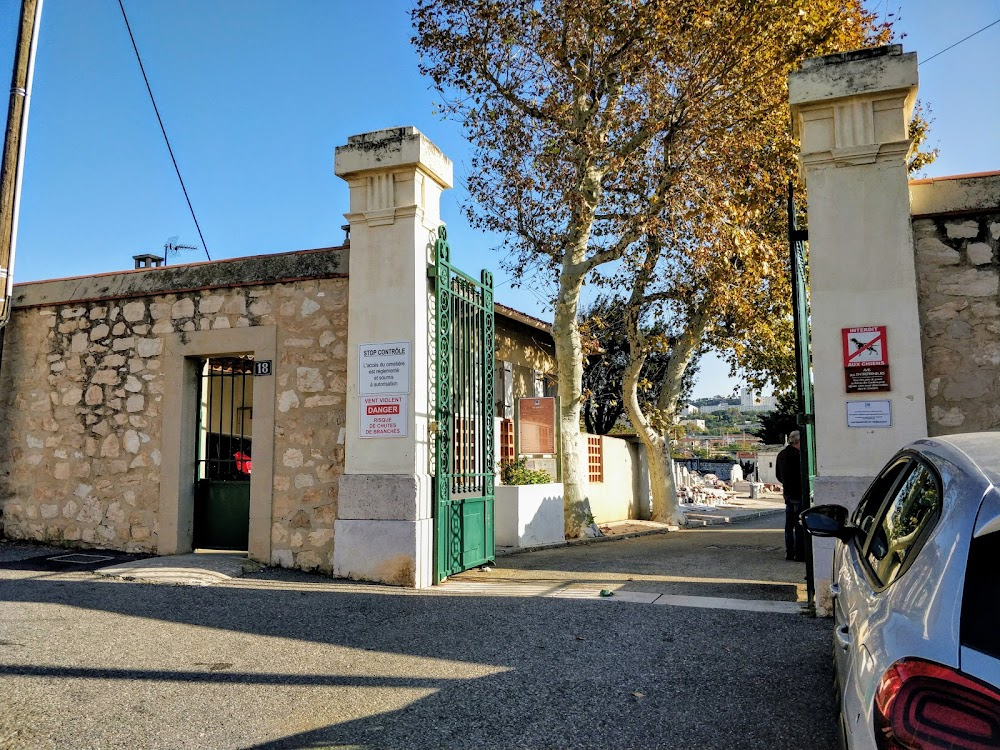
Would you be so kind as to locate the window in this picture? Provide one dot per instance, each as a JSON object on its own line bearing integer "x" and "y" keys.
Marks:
{"x": 871, "y": 503}
{"x": 595, "y": 459}
{"x": 505, "y": 390}
{"x": 897, "y": 535}
{"x": 551, "y": 386}
{"x": 981, "y": 600}
{"x": 537, "y": 384}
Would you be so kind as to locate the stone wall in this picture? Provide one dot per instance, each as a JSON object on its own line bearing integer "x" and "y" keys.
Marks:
{"x": 956, "y": 231}
{"x": 82, "y": 398}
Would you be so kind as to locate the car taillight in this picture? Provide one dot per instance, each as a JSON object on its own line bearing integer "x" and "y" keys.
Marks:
{"x": 920, "y": 705}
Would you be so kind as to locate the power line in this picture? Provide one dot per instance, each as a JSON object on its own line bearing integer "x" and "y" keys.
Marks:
{"x": 936, "y": 54}
{"x": 163, "y": 130}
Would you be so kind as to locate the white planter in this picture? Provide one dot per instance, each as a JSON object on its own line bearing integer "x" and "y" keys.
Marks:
{"x": 529, "y": 515}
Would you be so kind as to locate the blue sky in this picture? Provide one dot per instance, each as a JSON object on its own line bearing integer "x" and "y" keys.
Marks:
{"x": 256, "y": 94}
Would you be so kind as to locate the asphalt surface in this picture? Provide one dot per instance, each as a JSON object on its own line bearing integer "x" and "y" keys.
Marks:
{"x": 283, "y": 659}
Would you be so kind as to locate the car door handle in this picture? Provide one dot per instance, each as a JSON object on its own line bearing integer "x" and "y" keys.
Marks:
{"x": 834, "y": 590}
{"x": 843, "y": 637}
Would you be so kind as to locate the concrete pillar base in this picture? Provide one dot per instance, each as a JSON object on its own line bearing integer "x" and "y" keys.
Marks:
{"x": 393, "y": 552}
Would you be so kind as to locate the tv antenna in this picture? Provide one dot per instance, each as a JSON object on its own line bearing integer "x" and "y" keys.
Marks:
{"x": 171, "y": 246}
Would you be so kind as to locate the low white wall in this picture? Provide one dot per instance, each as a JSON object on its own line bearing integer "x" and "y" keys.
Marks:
{"x": 528, "y": 515}
{"x": 617, "y": 498}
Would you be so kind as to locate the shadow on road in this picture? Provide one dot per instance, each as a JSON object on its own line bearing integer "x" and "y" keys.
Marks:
{"x": 476, "y": 671}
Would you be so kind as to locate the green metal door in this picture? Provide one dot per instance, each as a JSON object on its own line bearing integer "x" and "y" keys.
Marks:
{"x": 225, "y": 446}
{"x": 464, "y": 406}
{"x": 803, "y": 370}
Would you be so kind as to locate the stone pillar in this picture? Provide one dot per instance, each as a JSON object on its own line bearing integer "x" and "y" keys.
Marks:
{"x": 851, "y": 112}
{"x": 384, "y": 531}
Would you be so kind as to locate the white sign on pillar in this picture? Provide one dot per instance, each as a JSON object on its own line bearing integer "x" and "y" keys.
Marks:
{"x": 384, "y": 382}
{"x": 384, "y": 368}
{"x": 383, "y": 416}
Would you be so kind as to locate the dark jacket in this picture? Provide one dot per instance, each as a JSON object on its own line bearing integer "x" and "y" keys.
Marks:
{"x": 786, "y": 468}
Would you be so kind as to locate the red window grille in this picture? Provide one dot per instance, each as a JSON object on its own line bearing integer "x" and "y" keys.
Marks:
{"x": 506, "y": 440}
{"x": 595, "y": 459}
{"x": 464, "y": 457}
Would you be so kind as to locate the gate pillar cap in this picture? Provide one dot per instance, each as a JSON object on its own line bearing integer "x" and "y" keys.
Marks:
{"x": 390, "y": 149}
{"x": 866, "y": 71}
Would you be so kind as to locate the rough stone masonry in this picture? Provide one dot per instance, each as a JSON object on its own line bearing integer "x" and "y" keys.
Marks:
{"x": 82, "y": 388}
{"x": 958, "y": 273}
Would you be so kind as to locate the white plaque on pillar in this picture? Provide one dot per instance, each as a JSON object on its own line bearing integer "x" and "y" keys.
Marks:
{"x": 869, "y": 414}
{"x": 384, "y": 368}
{"x": 383, "y": 417}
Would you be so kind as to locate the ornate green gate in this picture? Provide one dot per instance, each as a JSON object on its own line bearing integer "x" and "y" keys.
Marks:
{"x": 803, "y": 370}
{"x": 463, "y": 438}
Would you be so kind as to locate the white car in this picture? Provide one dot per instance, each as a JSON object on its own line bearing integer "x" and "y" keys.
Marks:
{"x": 916, "y": 590}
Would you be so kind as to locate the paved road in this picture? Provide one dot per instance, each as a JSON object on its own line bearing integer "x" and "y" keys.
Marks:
{"x": 288, "y": 660}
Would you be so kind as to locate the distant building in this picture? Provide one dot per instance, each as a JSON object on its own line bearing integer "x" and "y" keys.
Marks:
{"x": 720, "y": 406}
{"x": 751, "y": 400}
{"x": 698, "y": 424}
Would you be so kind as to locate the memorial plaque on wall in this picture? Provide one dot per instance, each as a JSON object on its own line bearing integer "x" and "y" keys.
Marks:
{"x": 871, "y": 379}
{"x": 536, "y": 425}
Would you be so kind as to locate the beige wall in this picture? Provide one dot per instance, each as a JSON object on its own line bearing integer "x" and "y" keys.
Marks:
{"x": 529, "y": 351}
{"x": 956, "y": 231}
{"x": 92, "y": 425}
{"x": 524, "y": 346}
{"x": 618, "y": 497}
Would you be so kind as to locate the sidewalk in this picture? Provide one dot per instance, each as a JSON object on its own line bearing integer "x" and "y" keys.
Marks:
{"x": 207, "y": 568}
{"x": 728, "y": 565}
{"x": 738, "y": 509}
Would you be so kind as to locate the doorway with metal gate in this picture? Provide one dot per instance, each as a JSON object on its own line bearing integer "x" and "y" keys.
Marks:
{"x": 224, "y": 459}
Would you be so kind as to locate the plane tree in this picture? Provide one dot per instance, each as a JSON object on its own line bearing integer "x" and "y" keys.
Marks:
{"x": 607, "y": 355}
{"x": 585, "y": 118}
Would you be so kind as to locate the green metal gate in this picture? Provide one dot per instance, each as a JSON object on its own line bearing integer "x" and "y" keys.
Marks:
{"x": 463, "y": 444}
{"x": 803, "y": 371}
{"x": 223, "y": 465}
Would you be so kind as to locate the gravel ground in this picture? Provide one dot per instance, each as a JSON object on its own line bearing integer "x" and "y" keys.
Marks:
{"x": 284, "y": 660}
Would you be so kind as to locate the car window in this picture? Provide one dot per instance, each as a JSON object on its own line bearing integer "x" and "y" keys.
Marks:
{"x": 871, "y": 503}
{"x": 981, "y": 599}
{"x": 897, "y": 534}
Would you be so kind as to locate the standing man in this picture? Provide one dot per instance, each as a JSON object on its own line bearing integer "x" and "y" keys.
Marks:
{"x": 786, "y": 468}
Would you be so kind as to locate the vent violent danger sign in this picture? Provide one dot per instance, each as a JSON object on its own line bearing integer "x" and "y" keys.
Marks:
{"x": 383, "y": 416}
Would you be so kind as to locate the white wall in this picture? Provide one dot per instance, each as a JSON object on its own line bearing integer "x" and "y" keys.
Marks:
{"x": 766, "y": 460}
{"x": 617, "y": 498}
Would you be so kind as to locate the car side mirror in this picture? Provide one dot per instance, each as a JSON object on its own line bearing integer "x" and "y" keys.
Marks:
{"x": 828, "y": 520}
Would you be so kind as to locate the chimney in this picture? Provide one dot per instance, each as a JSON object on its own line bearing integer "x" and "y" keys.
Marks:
{"x": 147, "y": 260}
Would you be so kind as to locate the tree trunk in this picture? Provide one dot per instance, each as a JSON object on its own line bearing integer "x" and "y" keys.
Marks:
{"x": 569, "y": 363}
{"x": 664, "y": 506}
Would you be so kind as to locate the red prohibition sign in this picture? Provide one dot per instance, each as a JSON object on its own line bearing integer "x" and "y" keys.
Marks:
{"x": 865, "y": 346}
